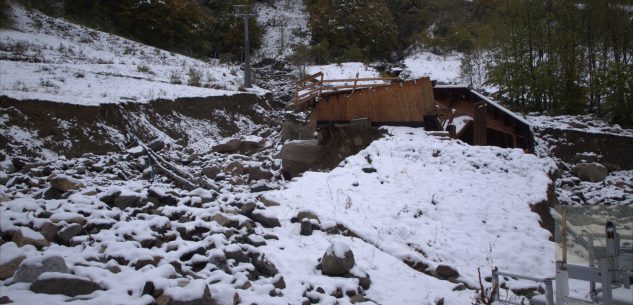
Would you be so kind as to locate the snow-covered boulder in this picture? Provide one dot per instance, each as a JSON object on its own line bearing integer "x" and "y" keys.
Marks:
{"x": 338, "y": 259}
{"x": 593, "y": 172}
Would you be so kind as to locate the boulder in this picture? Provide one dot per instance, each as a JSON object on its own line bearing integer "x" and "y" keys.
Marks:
{"x": 446, "y": 272}
{"x": 63, "y": 283}
{"x": 267, "y": 221}
{"x": 195, "y": 293}
{"x": 65, "y": 183}
{"x": 26, "y": 236}
{"x": 210, "y": 172}
{"x": 8, "y": 269}
{"x": 230, "y": 146}
{"x": 66, "y": 235}
{"x": 163, "y": 199}
{"x": 156, "y": 145}
{"x": 4, "y": 197}
{"x": 52, "y": 193}
{"x": 30, "y": 269}
{"x": 306, "y": 228}
{"x": 593, "y": 172}
{"x": 338, "y": 259}
{"x": 257, "y": 173}
{"x": 260, "y": 187}
{"x": 49, "y": 230}
{"x": 126, "y": 201}
{"x": 299, "y": 156}
{"x": 234, "y": 168}
{"x": 247, "y": 208}
{"x": 5, "y": 300}
{"x": 307, "y": 215}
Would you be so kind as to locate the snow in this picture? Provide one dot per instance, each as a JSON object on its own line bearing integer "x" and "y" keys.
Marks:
{"x": 45, "y": 58}
{"x": 431, "y": 201}
{"x": 347, "y": 70}
{"x": 192, "y": 291}
{"x": 282, "y": 16}
{"x": 445, "y": 69}
{"x": 585, "y": 123}
{"x": 11, "y": 251}
{"x": 30, "y": 234}
{"x": 338, "y": 248}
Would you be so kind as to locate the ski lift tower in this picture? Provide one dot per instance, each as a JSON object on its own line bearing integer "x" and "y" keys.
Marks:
{"x": 245, "y": 12}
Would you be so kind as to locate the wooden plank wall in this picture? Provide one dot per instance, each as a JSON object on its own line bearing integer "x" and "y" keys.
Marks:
{"x": 407, "y": 101}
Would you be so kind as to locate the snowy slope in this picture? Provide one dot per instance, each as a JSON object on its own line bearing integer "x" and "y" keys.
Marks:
{"x": 285, "y": 25}
{"x": 51, "y": 59}
{"x": 434, "y": 202}
{"x": 444, "y": 69}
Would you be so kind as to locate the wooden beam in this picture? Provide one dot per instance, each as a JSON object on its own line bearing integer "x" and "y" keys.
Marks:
{"x": 479, "y": 124}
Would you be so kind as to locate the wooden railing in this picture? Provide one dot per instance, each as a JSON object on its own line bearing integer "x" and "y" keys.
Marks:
{"x": 313, "y": 85}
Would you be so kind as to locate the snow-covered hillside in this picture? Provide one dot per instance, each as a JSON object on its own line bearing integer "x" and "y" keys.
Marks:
{"x": 411, "y": 199}
{"x": 285, "y": 25}
{"x": 51, "y": 59}
{"x": 444, "y": 69}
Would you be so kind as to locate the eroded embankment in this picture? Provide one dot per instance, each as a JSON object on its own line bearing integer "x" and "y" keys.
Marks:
{"x": 36, "y": 128}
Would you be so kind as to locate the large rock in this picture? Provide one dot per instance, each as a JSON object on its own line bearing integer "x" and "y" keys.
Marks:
{"x": 66, "y": 235}
{"x": 65, "y": 183}
{"x": 63, "y": 283}
{"x": 25, "y": 236}
{"x": 299, "y": 156}
{"x": 246, "y": 147}
{"x": 30, "y": 269}
{"x": 156, "y": 145}
{"x": 49, "y": 230}
{"x": 337, "y": 260}
{"x": 8, "y": 269}
{"x": 446, "y": 272}
{"x": 268, "y": 221}
{"x": 127, "y": 201}
{"x": 195, "y": 293}
{"x": 211, "y": 171}
{"x": 593, "y": 172}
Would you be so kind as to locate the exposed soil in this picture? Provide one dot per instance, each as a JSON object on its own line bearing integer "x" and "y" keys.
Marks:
{"x": 72, "y": 130}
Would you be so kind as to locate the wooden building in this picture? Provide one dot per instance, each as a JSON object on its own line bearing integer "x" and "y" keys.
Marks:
{"x": 465, "y": 113}
{"x": 478, "y": 120}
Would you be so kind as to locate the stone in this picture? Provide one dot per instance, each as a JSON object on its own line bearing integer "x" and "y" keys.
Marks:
{"x": 235, "y": 168}
{"x": 156, "y": 145}
{"x": 25, "y": 236}
{"x": 260, "y": 187}
{"x": 49, "y": 230}
{"x": 210, "y": 172}
{"x": 237, "y": 255}
{"x": 247, "y": 208}
{"x": 306, "y": 227}
{"x": 279, "y": 283}
{"x": 204, "y": 299}
{"x": 299, "y": 156}
{"x": 149, "y": 289}
{"x": 269, "y": 202}
{"x": 126, "y": 201}
{"x": 593, "y": 172}
{"x": 163, "y": 300}
{"x": 446, "y": 272}
{"x": 307, "y": 215}
{"x": 265, "y": 220}
{"x": 264, "y": 267}
{"x": 63, "y": 283}
{"x": 8, "y": 269}
{"x": 65, "y": 183}
{"x": 5, "y": 300}
{"x": 66, "y": 235}
{"x": 337, "y": 260}
{"x": 163, "y": 199}
{"x": 31, "y": 269}
{"x": 4, "y": 197}
{"x": 52, "y": 193}
{"x": 109, "y": 198}
{"x": 257, "y": 173}
{"x": 230, "y": 146}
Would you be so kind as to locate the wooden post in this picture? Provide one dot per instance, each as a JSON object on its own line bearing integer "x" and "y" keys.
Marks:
{"x": 479, "y": 125}
{"x": 452, "y": 131}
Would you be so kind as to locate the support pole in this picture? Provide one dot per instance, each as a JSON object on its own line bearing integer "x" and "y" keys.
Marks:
{"x": 243, "y": 11}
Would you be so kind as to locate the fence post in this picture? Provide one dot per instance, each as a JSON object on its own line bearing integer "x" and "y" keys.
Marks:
{"x": 495, "y": 284}
{"x": 549, "y": 292}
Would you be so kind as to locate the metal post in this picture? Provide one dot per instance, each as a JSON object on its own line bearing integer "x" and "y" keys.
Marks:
{"x": 247, "y": 56}
{"x": 242, "y": 11}
{"x": 549, "y": 292}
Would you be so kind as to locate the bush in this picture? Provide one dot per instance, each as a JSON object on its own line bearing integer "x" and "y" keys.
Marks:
{"x": 144, "y": 69}
{"x": 195, "y": 77}
{"x": 175, "y": 78}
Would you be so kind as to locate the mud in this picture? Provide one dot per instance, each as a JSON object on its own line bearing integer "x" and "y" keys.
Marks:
{"x": 36, "y": 128}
